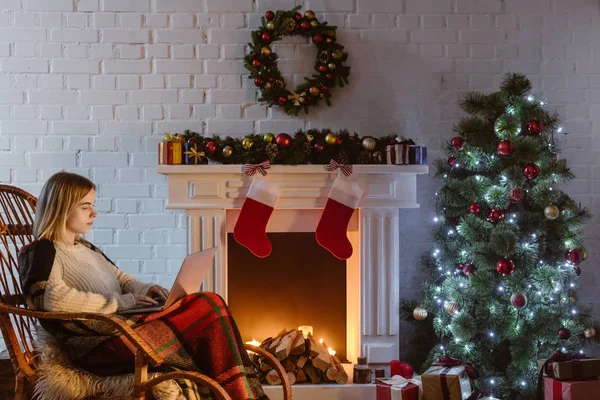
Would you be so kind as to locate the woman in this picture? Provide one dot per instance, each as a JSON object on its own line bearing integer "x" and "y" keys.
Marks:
{"x": 60, "y": 271}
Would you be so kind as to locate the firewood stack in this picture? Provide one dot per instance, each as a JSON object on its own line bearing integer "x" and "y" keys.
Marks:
{"x": 304, "y": 359}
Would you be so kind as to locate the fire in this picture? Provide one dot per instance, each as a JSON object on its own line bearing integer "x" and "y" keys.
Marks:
{"x": 332, "y": 352}
{"x": 254, "y": 343}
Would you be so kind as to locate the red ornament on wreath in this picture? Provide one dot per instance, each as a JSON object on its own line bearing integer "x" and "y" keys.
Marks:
{"x": 516, "y": 195}
{"x": 457, "y": 143}
{"x": 255, "y": 63}
{"x": 211, "y": 147}
{"x": 531, "y": 171}
{"x": 451, "y": 161}
{"x": 319, "y": 147}
{"x": 469, "y": 269}
{"x": 283, "y": 140}
{"x": 564, "y": 334}
{"x": 259, "y": 82}
{"x": 281, "y": 100}
{"x": 505, "y": 148}
{"x": 269, "y": 15}
{"x": 266, "y": 37}
{"x": 496, "y": 215}
{"x": 535, "y": 127}
{"x": 505, "y": 267}
{"x": 305, "y": 25}
{"x": 475, "y": 208}
{"x": 574, "y": 256}
{"x": 317, "y": 39}
{"x": 297, "y": 16}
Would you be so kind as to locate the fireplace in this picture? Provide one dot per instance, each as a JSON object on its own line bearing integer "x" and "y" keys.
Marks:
{"x": 212, "y": 196}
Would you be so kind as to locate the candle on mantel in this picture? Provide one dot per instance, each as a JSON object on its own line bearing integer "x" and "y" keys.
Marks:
{"x": 332, "y": 352}
{"x": 306, "y": 329}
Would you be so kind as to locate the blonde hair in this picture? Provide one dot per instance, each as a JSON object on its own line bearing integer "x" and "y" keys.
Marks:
{"x": 59, "y": 197}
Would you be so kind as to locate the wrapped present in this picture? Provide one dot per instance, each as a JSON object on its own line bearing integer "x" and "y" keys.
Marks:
{"x": 399, "y": 388}
{"x": 452, "y": 379}
{"x": 569, "y": 366}
{"x": 191, "y": 155}
{"x": 397, "y": 153}
{"x": 170, "y": 150}
{"x": 417, "y": 155}
{"x": 571, "y": 390}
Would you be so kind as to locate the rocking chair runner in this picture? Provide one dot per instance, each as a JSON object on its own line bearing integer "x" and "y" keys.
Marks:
{"x": 17, "y": 209}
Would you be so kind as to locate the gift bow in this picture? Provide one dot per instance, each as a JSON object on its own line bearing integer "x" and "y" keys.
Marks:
{"x": 345, "y": 168}
{"x": 193, "y": 153}
{"x": 400, "y": 382}
{"x": 471, "y": 371}
{"x": 556, "y": 357}
{"x": 168, "y": 137}
{"x": 252, "y": 169}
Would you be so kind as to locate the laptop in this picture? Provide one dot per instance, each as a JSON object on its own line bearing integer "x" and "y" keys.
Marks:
{"x": 189, "y": 279}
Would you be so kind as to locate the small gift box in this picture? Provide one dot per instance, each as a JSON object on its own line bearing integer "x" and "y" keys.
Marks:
{"x": 191, "y": 155}
{"x": 397, "y": 153}
{"x": 170, "y": 150}
{"x": 565, "y": 366}
{"x": 450, "y": 379}
{"x": 399, "y": 388}
{"x": 417, "y": 155}
{"x": 571, "y": 390}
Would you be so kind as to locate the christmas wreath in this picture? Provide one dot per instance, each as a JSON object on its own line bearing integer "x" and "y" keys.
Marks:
{"x": 329, "y": 64}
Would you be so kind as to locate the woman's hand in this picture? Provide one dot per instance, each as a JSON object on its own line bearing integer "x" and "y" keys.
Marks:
{"x": 141, "y": 300}
{"x": 158, "y": 291}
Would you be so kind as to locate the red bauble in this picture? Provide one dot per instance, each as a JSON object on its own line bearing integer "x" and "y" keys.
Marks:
{"x": 475, "y": 208}
{"x": 505, "y": 148}
{"x": 406, "y": 371}
{"x": 255, "y": 63}
{"x": 317, "y": 39}
{"x": 339, "y": 140}
{"x": 517, "y": 195}
{"x": 325, "y": 88}
{"x": 305, "y": 25}
{"x": 297, "y": 16}
{"x": 266, "y": 37}
{"x": 518, "y": 300}
{"x": 211, "y": 147}
{"x": 319, "y": 147}
{"x": 258, "y": 82}
{"x": 322, "y": 68}
{"x": 329, "y": 76}
{"x": 459, "y": 268}
{"x": 496, "y": 215}
{"x": 269, "y": 15}
{"x": 192, "y": 141}
{"x": 574, "y": 256}
{"x": 253, "y": 54}
{"x": 457, "y": 142}
{"x": 577, "y": 271}
{"x": 469, "y": 269}
{"x": 535, "y": 127}
{"x": 451, "y": 161}
{"x": 505, "y": 267}
{"x": 564, "y": 333}
{"x": 282, "y": 100}
{"x": 283, "y": 140}
{"x": 531, "y": 171}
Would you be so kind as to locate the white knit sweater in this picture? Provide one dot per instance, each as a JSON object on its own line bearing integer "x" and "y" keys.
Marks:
{"x": 82, "y": 280}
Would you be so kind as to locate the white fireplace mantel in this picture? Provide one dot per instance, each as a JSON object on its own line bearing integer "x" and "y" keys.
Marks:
{"x": 213, "y": 194}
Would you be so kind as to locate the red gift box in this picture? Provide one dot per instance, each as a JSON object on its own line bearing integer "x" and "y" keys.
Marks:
{"x": 398, "y": 388}
{"x": 571, "y": 390}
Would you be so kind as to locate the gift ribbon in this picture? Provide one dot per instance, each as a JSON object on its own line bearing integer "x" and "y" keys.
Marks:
{"x": 252, "y": 169}
{"x": 168, "y": 137}
{"x": 558, "y": 357}
{"x": 556, "y": 390}
{"x": 193, "y": 153}
{"x": 345, "y": 168}
{"x": 450, "y": 362}
{"x": 400, "y": 382}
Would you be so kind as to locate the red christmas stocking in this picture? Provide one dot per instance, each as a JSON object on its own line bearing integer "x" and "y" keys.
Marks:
{"x": 331, "y": 231}
{"x": 250, "y": 228}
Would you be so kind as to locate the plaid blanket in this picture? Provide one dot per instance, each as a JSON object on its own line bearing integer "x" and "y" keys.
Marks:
{"x": 197, "y": 333}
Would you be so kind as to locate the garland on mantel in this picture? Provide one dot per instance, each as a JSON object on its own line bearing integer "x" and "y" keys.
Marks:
{"x": 314, "y": 146}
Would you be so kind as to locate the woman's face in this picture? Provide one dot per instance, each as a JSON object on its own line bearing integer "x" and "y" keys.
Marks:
{"x": 82, "y": 217}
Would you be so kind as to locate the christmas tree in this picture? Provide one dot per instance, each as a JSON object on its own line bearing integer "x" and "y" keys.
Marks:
{"x": 506, "y": 261}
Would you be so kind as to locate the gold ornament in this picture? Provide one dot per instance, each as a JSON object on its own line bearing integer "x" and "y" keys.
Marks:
{"x": 337, "y": 55}
{"x": 329, "y": 40}
{"x": 321, "y": 95}
{"x": 278, "y": 83}
{"x": 268, "y": 85}
{"x": 310, "y": 15}
{"x": 310, "y": 138}
{"x": 420, "y": 313}
{"x": 291, "y": 25}
{"x": 589, "y": 333}
{"x": 369, "y": 144}
{"x": 270, "y": 25}
{"x": 331, "y": 66}
{"x": 314, "y": 23}
{"x": 584, "y": 254}
{"x": 330, "y": 138}
{"x": 247, "y": 143}
{"x": 551, "y": 212}
{"x": 314, "y": 91}
{"x": 452, "y": 307}
{"x": 227, "y": 151}
{"x": 268, "y": 137}
{"x": 266, "y": 51}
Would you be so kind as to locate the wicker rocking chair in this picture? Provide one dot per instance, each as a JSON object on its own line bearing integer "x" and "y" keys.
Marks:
{"x": 17, "y": 322}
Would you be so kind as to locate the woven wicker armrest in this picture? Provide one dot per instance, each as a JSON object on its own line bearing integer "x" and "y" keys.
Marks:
{"x": 192, "y": 376}
{"x": 113, "y": 321}
{"x": 276, "y": 365}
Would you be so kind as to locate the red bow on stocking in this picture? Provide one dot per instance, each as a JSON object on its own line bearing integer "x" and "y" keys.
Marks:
{"x": 252, "y": 169}
{"x": 345, "y": 168}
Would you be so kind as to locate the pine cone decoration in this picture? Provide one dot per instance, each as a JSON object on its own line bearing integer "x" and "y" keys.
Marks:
{"x": 343, "y": 157}
{"x": 271, "y": 150}
{"x": 307, "y": 148}
{"x": 365, "y": 157}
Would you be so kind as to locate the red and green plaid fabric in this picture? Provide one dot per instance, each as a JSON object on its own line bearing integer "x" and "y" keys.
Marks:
{"x": 197, "y": 333}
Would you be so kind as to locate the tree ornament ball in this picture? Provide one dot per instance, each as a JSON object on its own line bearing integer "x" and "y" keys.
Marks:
{"x": 584, "y": 254}
{"x": 457, "y": 143}
{"x": 319, "y": 147}
{"x": 323, "y": 68}
{"x": 340, "y": 140}
{"x": 283, "y": 140}
{"x": 309, "y": 15}
{"x": 227, "y": 151}
{"x": 266, "y": 37}
{"x": 469, "y": 269}
{"x": 531, "y": 171}
{"x": 475, "y": 208}
{"x": 551, "y": 212}
{"x": 314, "y": 91}
{"x": 505, "y": 267}
{"x": 270, "y": 25}
{"x": 420, "y": 313}
{"x": 211, "y": 147}
{"x": 459, "y": 268}
{"x": 577, "y": 271}
{"x": 282, "y": 100}
{"x": 496, "y": 215}
{"x": 452, "y": 307}
{"x": 535, "y": 127}
{"x": 451, "y": 161}
{"x": 516, "y": 195}
{"x": 298, "y": 16}
{"x": 564, "y": 333}
{"x": 247, "y": 143}
{"x": 305, "y": 25}
{"x": 259, "y": 82}
{"x": 269, "y": 15}
{"x": 266, "y": 51}
{"x": 331, "y": 66}
{"x": 574, "y": 256}
{"x": 505, "y": 148}
{"x": 369, "y": 144}
{"x": 331, "y": 138}
{"x": 314, "y": 23}
{"x": 518, "y": 300}
{"x": 589, "y": 333}
{"x": 255, "y": 63}
{"x": 317, "y": 39}
{"x": 268, "y": 137}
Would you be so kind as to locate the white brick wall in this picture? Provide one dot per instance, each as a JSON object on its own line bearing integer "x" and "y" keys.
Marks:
{"x": 90, "y": 86}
